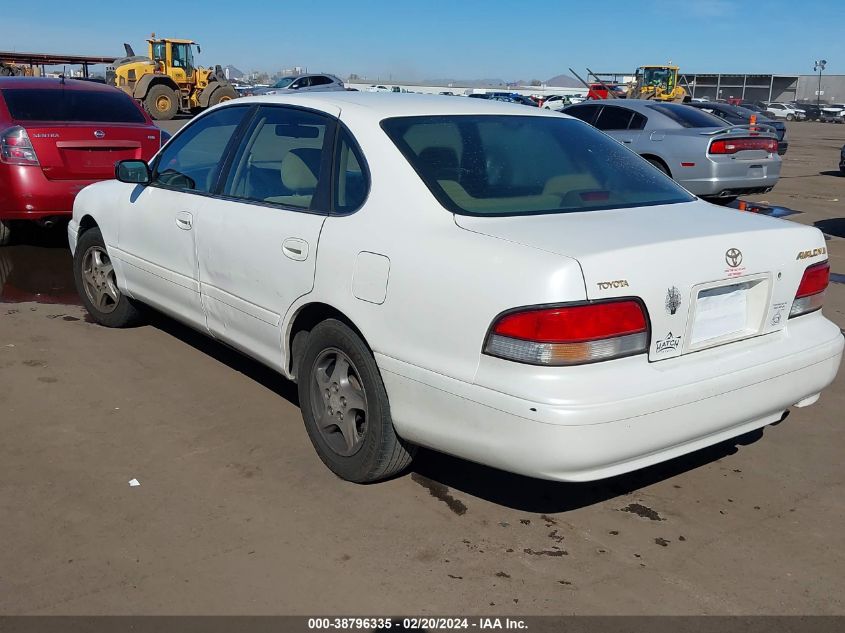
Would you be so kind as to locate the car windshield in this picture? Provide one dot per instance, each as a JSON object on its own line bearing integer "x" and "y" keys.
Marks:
{"x": 687, "y": 116}
{"x": 284, "y": 82}
{"x": 50, "y": 104}
{"x": 499, "y": 165}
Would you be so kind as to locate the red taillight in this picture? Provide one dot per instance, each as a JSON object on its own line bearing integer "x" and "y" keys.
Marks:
{"x": 811, "y": 290}
{"x": 734, "y": 145}
{"x": 570, "y": 335}
{"x": 16, "y": 148}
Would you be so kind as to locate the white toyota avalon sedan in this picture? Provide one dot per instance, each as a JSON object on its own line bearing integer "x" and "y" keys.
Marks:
{"x": 505, "y": 284}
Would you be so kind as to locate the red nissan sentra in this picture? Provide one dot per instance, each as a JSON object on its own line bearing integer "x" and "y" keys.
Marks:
{"x": 58, "y": 136}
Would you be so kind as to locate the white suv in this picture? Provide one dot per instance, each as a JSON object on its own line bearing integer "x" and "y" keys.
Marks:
{"x": 785, "y": 111}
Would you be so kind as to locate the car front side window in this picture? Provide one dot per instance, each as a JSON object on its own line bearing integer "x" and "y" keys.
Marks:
{"x": 281, "y": 159}
{"x": 192, "y": 159}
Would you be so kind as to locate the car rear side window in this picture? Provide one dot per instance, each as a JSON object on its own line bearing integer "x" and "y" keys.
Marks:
{"x": 73, "y": 105}
{"x": 280, "y": 160}
{"x": 586, "y": 113}
{"x": 494, "y": 165}
{"x": 638, "y": 122}
{"x": 687, "y": 116}
{"x": 613, "y": 118}
{"x": 351, "y": 180}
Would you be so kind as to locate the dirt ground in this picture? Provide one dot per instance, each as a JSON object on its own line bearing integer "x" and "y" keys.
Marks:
{"x": 235, "y": 513}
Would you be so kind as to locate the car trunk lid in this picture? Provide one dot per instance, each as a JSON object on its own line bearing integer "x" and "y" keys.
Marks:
{"x": 707, "y": 275}
{"x": 89, "y": 151}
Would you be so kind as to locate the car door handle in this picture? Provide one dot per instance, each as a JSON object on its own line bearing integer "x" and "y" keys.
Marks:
{"x": 184, "y": 220}
{"x": 295, "y": 248}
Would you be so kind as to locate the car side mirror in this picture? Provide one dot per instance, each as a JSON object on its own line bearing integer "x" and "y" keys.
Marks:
{"x": 134, "y": 172}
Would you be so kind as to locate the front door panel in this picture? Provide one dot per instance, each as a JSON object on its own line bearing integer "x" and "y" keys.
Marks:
{"x": 257, "y": 246}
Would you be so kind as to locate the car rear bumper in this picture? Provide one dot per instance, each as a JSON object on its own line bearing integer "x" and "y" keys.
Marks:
{"x": 633, "y": 414}
{"x": 26, "y": 194}
{"x": 732, "y": 177}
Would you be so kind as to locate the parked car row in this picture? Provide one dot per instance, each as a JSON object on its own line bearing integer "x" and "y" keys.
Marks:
{"x": 709, "y": 156}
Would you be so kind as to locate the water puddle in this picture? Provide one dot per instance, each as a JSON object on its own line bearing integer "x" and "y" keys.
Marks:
{"x": 38, "y": 274}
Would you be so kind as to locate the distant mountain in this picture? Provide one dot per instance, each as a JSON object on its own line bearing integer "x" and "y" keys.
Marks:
{"x": 232, "y": 73}
{"x": 564, "y": 81}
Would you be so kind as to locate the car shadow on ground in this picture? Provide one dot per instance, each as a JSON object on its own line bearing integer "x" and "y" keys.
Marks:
{"x": 439, "y": 472}
{"x": 832, "y": 226}
{"x": 258, "y": 372}
{"x": 832, "y": 172}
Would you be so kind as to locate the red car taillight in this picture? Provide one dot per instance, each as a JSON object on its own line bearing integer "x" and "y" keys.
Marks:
{"x": 16, "y": 148}
{"x": 570, "y": 335}
{"x": 734, "y": 145}
{"x": 811, "y": 290}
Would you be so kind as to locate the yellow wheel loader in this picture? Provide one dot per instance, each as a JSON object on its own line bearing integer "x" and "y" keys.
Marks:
{"x": 166, "y": 81}
{"x": 657, "y": 82}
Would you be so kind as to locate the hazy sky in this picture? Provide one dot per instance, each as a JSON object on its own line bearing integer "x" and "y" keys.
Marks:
{"x": 456, "y": 39}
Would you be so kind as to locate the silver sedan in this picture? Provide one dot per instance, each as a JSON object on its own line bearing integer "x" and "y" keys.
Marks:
{"x": 712, "y": 160}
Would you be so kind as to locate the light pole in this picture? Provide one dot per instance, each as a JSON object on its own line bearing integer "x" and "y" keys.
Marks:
{"x": 820, "y": 64}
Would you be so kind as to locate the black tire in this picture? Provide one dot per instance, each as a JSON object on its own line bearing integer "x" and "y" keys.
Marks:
{"x": 161, "y": 102}
{"x": 790, "y": 117}
{"x": 379, "y": 452}
{"x": 659, "y": 164}
{"x": 221, "y": 94}
{"x": 121, "y": 312}
{"x": 5, "y": 233}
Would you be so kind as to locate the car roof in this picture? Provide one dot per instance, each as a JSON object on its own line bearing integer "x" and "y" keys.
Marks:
{"x": 383, "y": 105}
{"x": 640, "y": 105}
{"x": 47, "y": 83}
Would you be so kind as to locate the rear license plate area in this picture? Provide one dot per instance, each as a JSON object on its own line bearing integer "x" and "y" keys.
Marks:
{"x": 726, "y": 312}
{"x": 756, "y": 171}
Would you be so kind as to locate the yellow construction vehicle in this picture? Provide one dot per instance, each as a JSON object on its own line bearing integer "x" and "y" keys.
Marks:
{"x": 10, "y": 69}
{"x": 167, "y": 81}
{"x": 657, "y": 82}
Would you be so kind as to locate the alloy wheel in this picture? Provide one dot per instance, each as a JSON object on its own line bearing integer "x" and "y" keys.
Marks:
{"x": 98, "y": 279}
{"x": 339, "y": 402}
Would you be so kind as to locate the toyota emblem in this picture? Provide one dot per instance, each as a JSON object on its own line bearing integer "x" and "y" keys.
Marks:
{"x": 733, "y": 256}
{"x": 99, "y": 133}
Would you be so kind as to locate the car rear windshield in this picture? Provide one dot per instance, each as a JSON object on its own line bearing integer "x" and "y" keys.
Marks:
{"x": 494, "y": 165}
{"x": 39, "y": 104}
{"x": 687, "y": 116}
